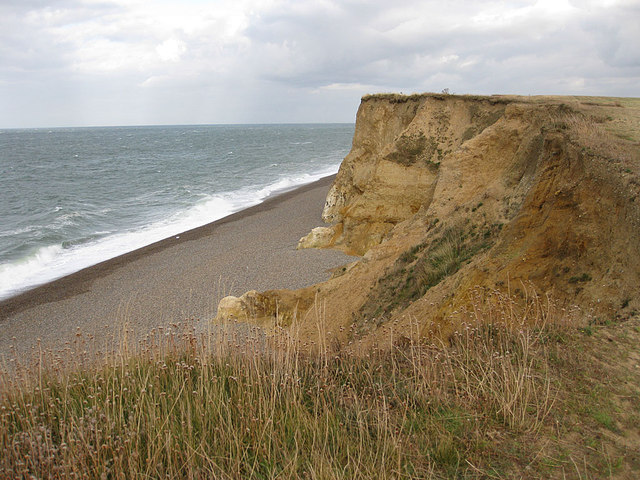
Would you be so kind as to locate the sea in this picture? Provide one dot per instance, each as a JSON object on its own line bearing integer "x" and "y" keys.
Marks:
{"x": 73, "y": 197}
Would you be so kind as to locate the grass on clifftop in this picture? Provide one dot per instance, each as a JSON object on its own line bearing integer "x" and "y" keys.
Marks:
{"x": 510, "y": 395}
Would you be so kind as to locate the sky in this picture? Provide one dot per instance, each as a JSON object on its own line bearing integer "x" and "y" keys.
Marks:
{"x": 146, "y": 62}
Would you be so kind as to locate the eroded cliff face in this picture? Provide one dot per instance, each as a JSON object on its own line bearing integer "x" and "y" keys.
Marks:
{"x": 447, "y": 196}
{"x": 394, "y": 165}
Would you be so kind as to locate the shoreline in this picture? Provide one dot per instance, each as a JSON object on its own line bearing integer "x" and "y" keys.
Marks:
{"x": 68, "y": 285}
{"x": 101, "y": 249}
{"x": 125, "y": 283}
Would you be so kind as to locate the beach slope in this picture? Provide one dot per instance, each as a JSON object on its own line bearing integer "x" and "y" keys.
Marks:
{"x": 179, "y": 278}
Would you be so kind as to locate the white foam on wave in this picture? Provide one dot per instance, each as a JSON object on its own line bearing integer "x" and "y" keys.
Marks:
{"x": 52, "y": 262}
{"x": 17, "y": 276}
{"x": 18, "y": 231}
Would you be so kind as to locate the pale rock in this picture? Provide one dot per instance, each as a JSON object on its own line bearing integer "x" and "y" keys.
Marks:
{"x": 318, "y": 237}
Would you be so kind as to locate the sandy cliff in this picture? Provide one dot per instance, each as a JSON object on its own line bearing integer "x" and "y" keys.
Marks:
{"x": 443, "y": 196}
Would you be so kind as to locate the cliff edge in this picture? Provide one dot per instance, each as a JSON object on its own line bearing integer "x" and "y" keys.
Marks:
{"x": 444, "y": 197}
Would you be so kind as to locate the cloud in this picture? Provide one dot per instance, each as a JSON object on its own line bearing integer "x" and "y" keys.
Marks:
{"x": 344, "y": 87}
{"x": 171, "y": 50}
{"x": 615, "y": 33}
{"x": 250, "y": 60}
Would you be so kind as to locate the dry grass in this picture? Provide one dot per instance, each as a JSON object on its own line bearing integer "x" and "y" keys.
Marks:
{"x": 227, "y": 405}
{"x": 419, "y": 97}
{"x": 607, "y": 130}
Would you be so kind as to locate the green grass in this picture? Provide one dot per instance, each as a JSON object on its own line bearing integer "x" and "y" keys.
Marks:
{"x": 420, "y": 268}
{"x": 604, "y": 418}
{"x": 585, "y": 277}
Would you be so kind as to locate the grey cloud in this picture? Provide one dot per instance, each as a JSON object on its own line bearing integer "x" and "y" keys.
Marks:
{"x": 29, "y": 40}
{"x": 618, "y": 35}
{"x": 293, "y": 58}
{"x": 517, "y": 55}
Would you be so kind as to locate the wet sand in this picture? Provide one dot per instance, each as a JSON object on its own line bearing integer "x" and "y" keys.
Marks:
{"x": 179, "y": 278}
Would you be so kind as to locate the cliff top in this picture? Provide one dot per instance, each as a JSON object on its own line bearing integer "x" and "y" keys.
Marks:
{"x": 622, "y": 112}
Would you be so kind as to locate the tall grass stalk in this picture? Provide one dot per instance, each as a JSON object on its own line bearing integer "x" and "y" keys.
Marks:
{"x": 232, "y": 404}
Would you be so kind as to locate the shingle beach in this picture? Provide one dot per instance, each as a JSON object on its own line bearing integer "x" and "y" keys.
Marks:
{"x": 179, "y": 278}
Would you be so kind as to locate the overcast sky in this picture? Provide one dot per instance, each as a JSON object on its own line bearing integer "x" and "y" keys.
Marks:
{"x": 132, "y": 62}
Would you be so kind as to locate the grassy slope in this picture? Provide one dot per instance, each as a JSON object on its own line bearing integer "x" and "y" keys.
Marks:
{"x": 496, "y": 402}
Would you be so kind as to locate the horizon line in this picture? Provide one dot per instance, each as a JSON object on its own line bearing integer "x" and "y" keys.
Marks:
{"x": 142, "y": 125}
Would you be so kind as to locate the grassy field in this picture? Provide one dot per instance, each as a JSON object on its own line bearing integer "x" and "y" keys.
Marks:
{"x": 534, "y": 392}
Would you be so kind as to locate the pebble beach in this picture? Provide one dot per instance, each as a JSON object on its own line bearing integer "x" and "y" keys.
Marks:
{"x": 180, "y": 278}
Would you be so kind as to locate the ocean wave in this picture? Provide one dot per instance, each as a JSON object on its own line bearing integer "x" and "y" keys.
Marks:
{"x": 19, "y": 231}
{"x": 55, "y": 261}
{"x": 29, "y": 271}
